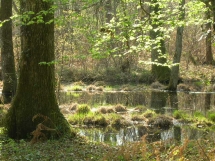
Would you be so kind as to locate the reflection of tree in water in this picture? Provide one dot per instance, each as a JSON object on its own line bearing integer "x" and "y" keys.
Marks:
{"x": 158, "y": 101}
{"x": 154, "y": 99}
{"x": 177, "y": 133}
{"x": 173, "y": 100}
{"x": 207, "y": 101}
{"x": 153, "y": 136}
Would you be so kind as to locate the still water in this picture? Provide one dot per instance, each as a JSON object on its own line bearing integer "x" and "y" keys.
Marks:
{"x": 161, "y": 101}
{"x": 135, "y": 133}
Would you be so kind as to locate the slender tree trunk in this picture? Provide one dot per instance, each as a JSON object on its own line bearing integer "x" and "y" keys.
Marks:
{"x": 36, "y": 87}
{"x": 213, "y": 12}
{"x": 177, "y": 56}
{"x": 209, "y": 54}
{"x": 160, "y": 72}
{"x": 7, "y": 55}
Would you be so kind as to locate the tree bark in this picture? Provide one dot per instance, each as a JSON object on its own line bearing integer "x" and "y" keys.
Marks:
{"x": 36, "y": 87}
{"x": 208, "y": 40}
{"x": 160, "y": 72}
{"x": 178, "y": 50}
{"x": 213, "y": 12}
{"x": 7, "y": 55}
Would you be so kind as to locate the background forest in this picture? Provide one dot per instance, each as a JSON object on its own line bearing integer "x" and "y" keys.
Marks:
{"x": 122, "y": 41}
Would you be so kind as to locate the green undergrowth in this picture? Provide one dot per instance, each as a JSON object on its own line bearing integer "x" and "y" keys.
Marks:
{"x": 2, "y": 116}
{"x": 197, "y": 119}
{"x": 170, "y": 150}
{"x": 81, "y": 149}
{"x": 75, "y": 149}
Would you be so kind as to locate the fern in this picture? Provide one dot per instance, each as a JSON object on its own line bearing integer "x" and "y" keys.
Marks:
{"x": 38, "y": 133}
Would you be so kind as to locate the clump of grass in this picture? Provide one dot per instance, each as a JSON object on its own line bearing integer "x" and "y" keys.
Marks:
{"x": 141, "y": 108}
{"x": 198, "y": 114}
{"x": 127, "y": 87}
{"x": 137, "y": 117}
{"x": 161, "y": 121}
{"x": 99, "y": 83}
{"x": 179, "y": 114}
{"x": 115, "y": 120}
{"x": 93, "y": 119}
{"x": 100, "y": 120}
{"x": 79, "y": 83}
{"x": 107, "y": 109}
{"x": 109, "y": 88}
{"x": 73, "y": 107}
{"x": 120, "y": 108}
{"x": 83, "y": 109}
{"x": 149, "y": 113}
{"x": 76, "y": 88}
{"x": 100, "y": 88}
{"x": 91, "y": 88}
{"x": 75, "y": 119}
{"x": 211, "y": 116}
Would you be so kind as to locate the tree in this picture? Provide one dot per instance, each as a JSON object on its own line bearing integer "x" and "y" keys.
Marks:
{"x": 178, "y": 50}
{"x": 7, "y": 55}
{"x": 158, "y": 51}
{"x": 35, "y": 97}
{"x": 208, "y": 40}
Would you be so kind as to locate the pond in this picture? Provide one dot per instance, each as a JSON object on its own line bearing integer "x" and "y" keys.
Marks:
{"x": 162, "y": 102}
{"x": 135, "y": 133}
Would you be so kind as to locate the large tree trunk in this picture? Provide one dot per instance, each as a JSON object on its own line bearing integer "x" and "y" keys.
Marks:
{"x": 7, "y": 55}
{"x": 160, "y": 72}
{"x": 36, "y": 86}
{"x": 178, "y": 50}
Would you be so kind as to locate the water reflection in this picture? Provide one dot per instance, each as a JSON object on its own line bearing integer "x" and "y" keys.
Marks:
{"x": 160, "y": 101}
{"x": 135, "y": 133}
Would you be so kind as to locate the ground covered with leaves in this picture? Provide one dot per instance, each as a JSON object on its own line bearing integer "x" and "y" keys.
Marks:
{"x": 75, "y": 149}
